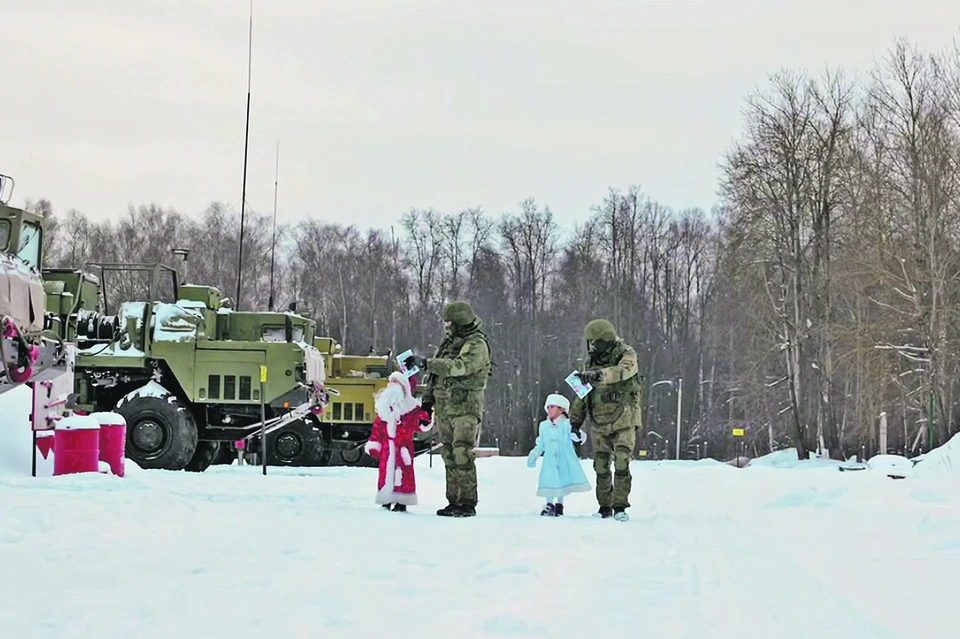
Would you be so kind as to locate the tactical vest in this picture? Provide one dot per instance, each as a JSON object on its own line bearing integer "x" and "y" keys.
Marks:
{"x": 461, "y": 395}
{"x": 607, "y": 403}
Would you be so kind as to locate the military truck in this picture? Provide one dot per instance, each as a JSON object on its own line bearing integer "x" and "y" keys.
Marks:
{"x": 32, "y": 345}
{"x": 185, "y": 370}
{"x": 345, "y": 424}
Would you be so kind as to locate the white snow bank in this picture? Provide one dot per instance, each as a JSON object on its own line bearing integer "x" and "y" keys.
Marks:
{"x": 826, "y": 555}
{"x": 787, "y": 458}
{"x": 892, "y": 465}
{"x": 943, "y": 459}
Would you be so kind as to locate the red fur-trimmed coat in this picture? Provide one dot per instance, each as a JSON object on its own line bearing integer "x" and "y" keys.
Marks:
{"x": 396, "y": 457}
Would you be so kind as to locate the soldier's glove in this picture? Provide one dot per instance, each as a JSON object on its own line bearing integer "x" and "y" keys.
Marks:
{"x": 415, "y": 360}
{"x": 590, "y": 376}
{"x": 427, "y": 407}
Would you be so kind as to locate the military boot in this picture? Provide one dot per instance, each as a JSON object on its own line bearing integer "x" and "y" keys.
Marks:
{"x": 466, "y": 510}
{"x": 620, "y": 514}
{"x": 604, "y": 512}
{"x": 448, "y": 511}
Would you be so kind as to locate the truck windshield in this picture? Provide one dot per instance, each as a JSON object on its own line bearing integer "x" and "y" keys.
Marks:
{"x": 29, "y": 250}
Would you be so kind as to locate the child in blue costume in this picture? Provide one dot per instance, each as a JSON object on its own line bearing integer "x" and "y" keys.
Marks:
{"x": 561, "y": 472}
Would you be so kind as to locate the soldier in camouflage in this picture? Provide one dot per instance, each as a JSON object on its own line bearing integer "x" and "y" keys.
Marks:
{"x": 613, "y": 409}
{"x": 455, "y": 383}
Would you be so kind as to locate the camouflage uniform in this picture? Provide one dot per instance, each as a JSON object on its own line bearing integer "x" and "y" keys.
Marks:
{"x": 614, "y": 410}
{"x": 456, "y": 381}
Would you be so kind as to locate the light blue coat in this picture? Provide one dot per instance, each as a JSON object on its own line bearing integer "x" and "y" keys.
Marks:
{"x": 561, "y": 472}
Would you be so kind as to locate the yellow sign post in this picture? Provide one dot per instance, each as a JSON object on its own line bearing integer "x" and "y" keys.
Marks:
{"x": 738, "y": 432}
{"x": 263, "y": 419}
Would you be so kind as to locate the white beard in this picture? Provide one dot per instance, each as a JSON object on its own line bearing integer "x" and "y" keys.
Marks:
{"x": 391, "y": 403}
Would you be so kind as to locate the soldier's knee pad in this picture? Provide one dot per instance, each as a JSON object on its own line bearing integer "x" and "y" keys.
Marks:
{"x": 621, "y": 461}
{"x": 463, "y": 455}
{"x": 446, "y": 452}
{"x": 601, "y": 463}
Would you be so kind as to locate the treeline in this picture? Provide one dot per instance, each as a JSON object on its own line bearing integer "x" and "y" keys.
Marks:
{"x": 822, "y": 291}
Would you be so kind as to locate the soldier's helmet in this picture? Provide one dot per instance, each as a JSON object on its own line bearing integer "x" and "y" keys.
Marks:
{"x": 599, "y": 330}
{"x": 460, "y": 313}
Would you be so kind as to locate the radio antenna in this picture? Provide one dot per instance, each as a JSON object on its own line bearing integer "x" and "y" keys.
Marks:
{"x": 246, "y": 141}
{"x": 273, "y": 247}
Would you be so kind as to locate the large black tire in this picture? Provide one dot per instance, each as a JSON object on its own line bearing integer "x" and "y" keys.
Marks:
{"x": 356, "y": 457}
{"x": 351, "y": 457}
{"x": 302, "y": 443}
{"x": 161, "y": 433}
{"x": 203, "y": 456}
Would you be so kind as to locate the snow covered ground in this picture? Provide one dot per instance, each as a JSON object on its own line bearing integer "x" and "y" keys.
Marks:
{"x": 711, "y": 551}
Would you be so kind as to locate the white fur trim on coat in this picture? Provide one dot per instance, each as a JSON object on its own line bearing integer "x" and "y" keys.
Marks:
{"x": 405, "y": 456}
{"x": 393, "y": 401}
{"x": 371, "y": 446}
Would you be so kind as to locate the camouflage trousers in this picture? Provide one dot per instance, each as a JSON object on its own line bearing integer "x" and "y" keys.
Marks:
{"x": 613, "y": 491}
{"x": 458, "y": 438}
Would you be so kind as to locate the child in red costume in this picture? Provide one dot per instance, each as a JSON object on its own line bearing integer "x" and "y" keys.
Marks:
{"x": 399, "y": 416}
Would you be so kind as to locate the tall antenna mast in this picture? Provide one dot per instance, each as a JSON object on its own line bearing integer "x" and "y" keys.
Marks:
{"x": 246, "y": 140}
{"x": 273, "y": 247}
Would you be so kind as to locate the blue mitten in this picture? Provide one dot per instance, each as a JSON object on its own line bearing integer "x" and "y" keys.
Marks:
{"x": 532, "y": 458}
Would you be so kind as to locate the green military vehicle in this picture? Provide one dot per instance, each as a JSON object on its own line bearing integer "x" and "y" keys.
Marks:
{"x": 186, "y": 371}
{"x": 345, "y": 424}
{"x": 32, "y": 344}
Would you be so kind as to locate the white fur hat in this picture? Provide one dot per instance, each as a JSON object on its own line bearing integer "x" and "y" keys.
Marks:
{"x": 556, "y": 399}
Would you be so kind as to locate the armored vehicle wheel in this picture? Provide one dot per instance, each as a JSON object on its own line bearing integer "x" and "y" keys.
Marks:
{"x": 352, "y": 457}
{"x": 302, "y": 443}
{"x": 160, "y": 432}
{"x": 203, "y": 456}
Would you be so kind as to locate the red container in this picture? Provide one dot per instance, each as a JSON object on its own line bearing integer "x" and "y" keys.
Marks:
{"x": 76, "y": 446}
{"x": 113, "y": 439}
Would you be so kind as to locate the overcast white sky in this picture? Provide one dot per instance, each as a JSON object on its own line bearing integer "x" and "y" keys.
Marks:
{"x": 380, "y": 106}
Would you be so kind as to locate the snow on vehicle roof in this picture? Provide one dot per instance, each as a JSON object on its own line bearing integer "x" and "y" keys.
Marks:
{"x": 175, "y": 323}
{"x": 150, "y": 389}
